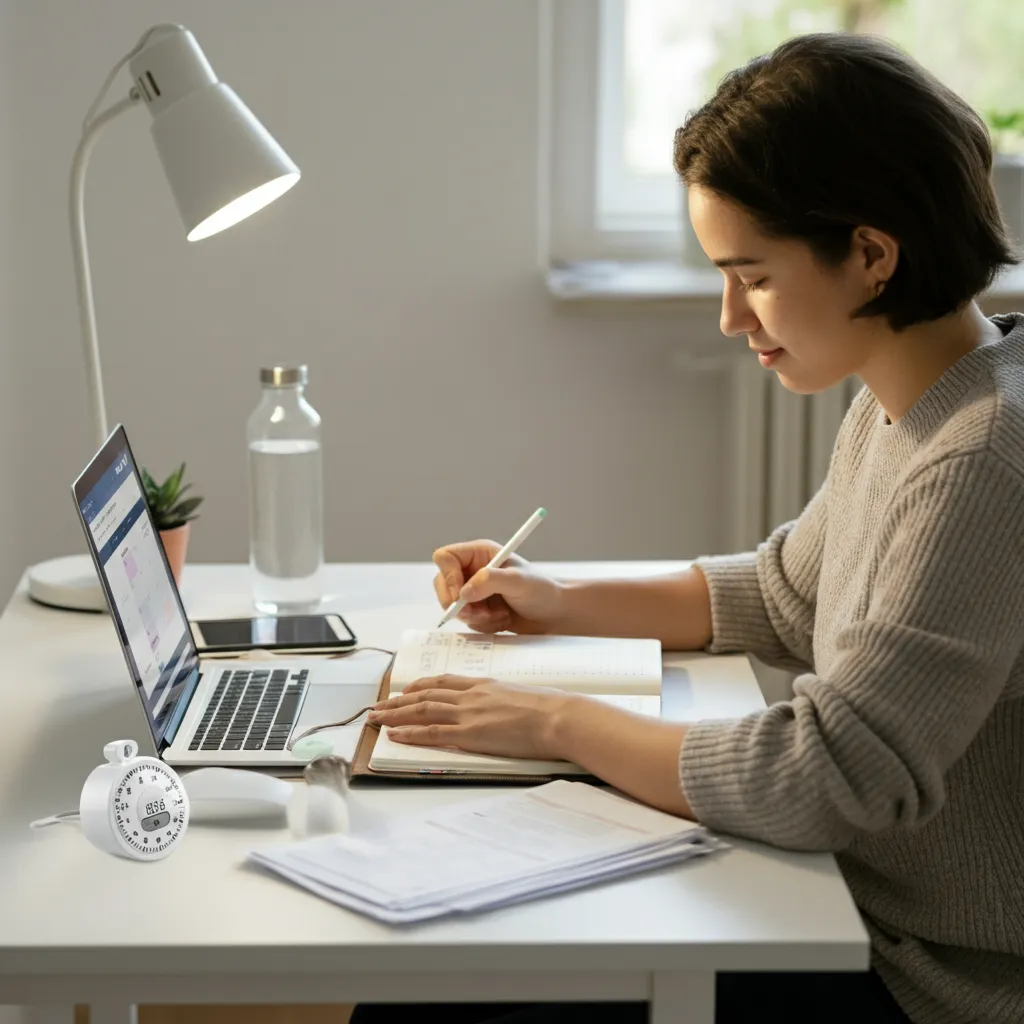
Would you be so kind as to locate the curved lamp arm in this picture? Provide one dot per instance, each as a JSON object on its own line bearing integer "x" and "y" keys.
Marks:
{"x": 83, "y": 277}
{"x": 91, "y": 127}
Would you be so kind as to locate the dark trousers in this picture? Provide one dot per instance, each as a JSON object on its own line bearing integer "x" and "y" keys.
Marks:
{"x": 739, "y": 999}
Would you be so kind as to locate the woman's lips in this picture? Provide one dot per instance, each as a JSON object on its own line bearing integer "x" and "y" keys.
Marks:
{"x": 769, "y": 357}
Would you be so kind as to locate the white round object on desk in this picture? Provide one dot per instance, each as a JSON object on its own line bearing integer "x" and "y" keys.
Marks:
{"x": 69, "y": 583}
{"x": 132, "y": 806}
{"x": 236, "y": 794}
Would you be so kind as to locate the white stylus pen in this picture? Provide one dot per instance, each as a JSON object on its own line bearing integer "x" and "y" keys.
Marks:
{"x": 518, "y": 537}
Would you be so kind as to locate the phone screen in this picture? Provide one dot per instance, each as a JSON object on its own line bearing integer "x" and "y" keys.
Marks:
{"x": 274, "y": 631}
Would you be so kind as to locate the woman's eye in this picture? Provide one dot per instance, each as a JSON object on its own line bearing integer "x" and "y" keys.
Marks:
{"x": 754, "y": 285}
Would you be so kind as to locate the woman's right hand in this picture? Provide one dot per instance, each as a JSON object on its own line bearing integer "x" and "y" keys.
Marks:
{"x": 513, "y": 597}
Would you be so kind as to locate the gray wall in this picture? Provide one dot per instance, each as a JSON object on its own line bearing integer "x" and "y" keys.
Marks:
{"x": 12, "y": 557}
{"x": 403, "y": 268}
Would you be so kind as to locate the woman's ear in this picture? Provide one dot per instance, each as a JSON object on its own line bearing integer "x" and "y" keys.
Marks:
{"x": 876, "y": 254}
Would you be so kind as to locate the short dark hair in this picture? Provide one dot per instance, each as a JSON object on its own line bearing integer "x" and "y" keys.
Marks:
{"x": 830, "y": 131}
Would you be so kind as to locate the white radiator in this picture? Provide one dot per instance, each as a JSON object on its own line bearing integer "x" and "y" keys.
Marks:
{"x": 781, "y": 451}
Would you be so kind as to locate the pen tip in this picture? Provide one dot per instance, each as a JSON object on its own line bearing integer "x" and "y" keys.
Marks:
{"x": 542, "y": 512}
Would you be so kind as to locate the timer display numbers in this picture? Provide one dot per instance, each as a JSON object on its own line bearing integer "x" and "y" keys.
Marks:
{"x": 149, "y": 808}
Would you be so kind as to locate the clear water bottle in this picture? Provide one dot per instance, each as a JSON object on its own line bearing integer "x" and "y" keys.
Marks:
{"x": 286, "y": 521}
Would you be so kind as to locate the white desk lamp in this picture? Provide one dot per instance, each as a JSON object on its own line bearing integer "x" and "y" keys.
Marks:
{"x": 222, "y": 165}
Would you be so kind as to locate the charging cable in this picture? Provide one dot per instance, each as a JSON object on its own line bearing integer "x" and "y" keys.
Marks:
{"x": 56, "y": 819}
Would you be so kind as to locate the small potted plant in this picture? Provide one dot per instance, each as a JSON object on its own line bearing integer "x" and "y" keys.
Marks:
{"x": 172, "y": 514}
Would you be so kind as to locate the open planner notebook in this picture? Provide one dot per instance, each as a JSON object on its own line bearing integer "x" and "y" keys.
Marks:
{"x": 626, "y": 673}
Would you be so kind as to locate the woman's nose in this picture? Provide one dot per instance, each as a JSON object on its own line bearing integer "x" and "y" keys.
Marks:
{"x": 737, "y": 316}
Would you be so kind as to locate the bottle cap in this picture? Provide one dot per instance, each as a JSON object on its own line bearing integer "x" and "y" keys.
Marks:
{"x": 284, "y": 376}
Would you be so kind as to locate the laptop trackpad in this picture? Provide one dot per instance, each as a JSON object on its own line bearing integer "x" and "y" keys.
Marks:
{"x": 327, "y": 702}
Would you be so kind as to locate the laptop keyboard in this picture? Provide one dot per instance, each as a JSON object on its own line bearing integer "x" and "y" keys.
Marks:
{"x": 251, "y": 710}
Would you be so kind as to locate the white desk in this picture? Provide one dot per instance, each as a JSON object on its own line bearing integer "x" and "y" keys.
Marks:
{"x": 77, "y": 925}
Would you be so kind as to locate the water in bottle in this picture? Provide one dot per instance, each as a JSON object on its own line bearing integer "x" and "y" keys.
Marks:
{"x": 285, "y": 495}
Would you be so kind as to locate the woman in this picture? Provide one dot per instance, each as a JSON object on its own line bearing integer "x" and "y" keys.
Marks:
{"x": 845, "y": 195}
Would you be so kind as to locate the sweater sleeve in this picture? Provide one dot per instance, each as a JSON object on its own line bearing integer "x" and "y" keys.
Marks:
{"x": 867, "y": 749}
{"x": 763, "y": 602}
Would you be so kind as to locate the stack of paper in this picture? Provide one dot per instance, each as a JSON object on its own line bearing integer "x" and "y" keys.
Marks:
{"x": 479, "y": 854}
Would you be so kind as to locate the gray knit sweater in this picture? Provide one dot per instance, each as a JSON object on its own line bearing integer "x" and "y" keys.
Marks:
{"x": 899, "y": 594}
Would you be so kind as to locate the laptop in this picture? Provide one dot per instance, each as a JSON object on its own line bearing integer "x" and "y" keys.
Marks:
{"x": 218, "y": 712}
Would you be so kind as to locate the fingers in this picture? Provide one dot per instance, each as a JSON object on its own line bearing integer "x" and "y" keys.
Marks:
{"x": 439, "y": 684}
{"x": 448, "y": 582}
{"x": 422, "y": 712}
{"x": 489, "y": 616}
{"x": 443, "y": 591}
{"x": 489, "y": 582}
{"x": 453, "y": 563}
{"x": 457, "y": 562}
{"x": 427, "y": 735}
{"x": 426, "y": 702}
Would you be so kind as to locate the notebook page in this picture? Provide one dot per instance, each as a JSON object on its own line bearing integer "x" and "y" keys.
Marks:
{"x": 389, "y": 756}
{"x": 583, "y": 664}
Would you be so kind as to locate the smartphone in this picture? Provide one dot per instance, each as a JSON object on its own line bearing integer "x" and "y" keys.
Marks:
{"x": 273, "y": 633}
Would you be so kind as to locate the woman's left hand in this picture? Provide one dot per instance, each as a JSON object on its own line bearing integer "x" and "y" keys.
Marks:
{"x": 479, "y": 715}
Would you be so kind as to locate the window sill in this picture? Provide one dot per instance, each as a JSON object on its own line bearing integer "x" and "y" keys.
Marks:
{"x": 633, "y": 282}
{"x": 664, "y": 282}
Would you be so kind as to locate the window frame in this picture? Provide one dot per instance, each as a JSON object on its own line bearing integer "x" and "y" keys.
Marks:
{"x": 597, "y": 209}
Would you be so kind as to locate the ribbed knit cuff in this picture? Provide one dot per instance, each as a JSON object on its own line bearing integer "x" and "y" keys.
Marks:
{"x": 739, "y": 621}
{"x": 711, "y": 770}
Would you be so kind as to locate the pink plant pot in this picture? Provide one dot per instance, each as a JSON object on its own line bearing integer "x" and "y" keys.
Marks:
{"x": 175, "y": 544}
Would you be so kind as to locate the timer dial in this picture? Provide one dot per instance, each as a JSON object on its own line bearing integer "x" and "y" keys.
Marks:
{"x": 133, "y": 806}
{"x": 149, "y": 808}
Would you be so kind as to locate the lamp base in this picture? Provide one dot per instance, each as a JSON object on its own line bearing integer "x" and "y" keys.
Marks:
{"x": 70, "y": 583}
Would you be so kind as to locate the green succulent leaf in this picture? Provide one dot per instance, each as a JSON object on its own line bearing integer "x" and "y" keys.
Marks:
{"x": 165, "y": 499}
{"x": 169, "y": 488}
{"x": 175, "y": 479}
{"x": 184, "y": 509}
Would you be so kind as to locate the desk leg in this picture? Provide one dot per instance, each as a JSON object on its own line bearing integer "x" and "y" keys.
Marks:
{"x": 113, "y": 1013}
{"x": 683, "y": 997}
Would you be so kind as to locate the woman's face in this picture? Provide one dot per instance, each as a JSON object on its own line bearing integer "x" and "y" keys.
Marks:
{"x": 793, "y": 310}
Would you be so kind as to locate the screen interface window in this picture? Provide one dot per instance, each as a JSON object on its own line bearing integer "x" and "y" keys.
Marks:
{"x": 148, "y": 615}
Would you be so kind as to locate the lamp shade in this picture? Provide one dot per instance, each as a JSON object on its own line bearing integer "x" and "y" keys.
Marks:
{"x": 221, "y": 163}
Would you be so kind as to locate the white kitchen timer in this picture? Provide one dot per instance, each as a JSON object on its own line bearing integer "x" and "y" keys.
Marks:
{"x": 133, "y": 806}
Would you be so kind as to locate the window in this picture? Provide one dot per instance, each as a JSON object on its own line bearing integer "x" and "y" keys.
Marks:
{"x": 625, "y": 73}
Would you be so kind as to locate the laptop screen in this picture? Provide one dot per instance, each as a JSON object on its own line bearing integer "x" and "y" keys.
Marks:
{"x": 143, "y": 599}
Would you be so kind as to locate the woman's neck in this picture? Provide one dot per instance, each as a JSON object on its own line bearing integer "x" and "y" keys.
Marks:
{"x": 901, "y": 367}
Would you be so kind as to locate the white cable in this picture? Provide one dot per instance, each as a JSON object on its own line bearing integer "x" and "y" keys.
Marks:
{"x": 166, "y": 27}
{"x": 55, "y": 819}
{"x": 261, "y": 653}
